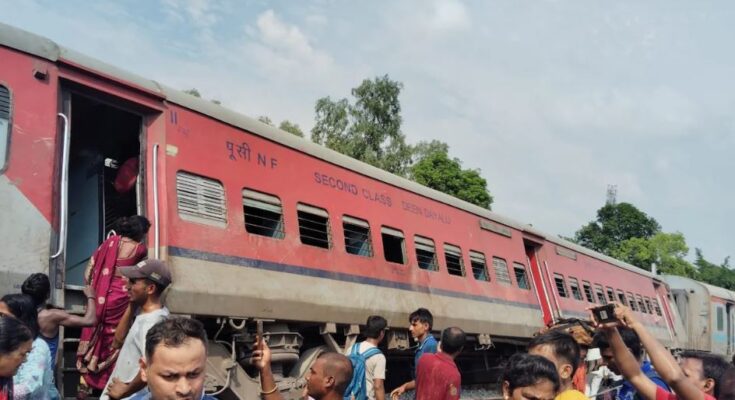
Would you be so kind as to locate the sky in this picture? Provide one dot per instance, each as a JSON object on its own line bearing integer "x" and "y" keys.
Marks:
{"x": 552, "y": 100}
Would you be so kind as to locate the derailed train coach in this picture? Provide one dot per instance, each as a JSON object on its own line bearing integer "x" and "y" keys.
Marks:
{"x": 260, "y": 226}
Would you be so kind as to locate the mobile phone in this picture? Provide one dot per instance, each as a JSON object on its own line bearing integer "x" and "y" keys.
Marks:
{"x": 604, "y": 313}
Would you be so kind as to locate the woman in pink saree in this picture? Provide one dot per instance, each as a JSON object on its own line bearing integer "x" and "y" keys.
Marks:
{"x": 96, "y": 355}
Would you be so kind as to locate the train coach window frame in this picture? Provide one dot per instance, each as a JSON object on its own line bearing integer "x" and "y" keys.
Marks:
{"x": 394, "y": 242}
{"x": 621, "y": 297}
{"x": 263, "y": 214}
{"x": 631, "y": 302}
{"x": 314, "y": 226}
{"x": 656, "y": 307}
{"x": 600, "y": 294}
{"x": 720, "y": 317}
{"x": 358, "y": 238}
{"x": 641, "y": 304}
{"x": 521, "y": 276}
{"x": 610, "y": 294}
{"x": 574, "y": 286}
{"x": 6, "y": 108}
{"x": 425, "y": 253}
{"x": 502, "y": 275}
{"x": 453, "y": 259}
{"x": 201, "y": 199}
{"x": 649, "y": 305}
{"x": 587, "y": 288}
{"x": 478, "y": 262}
{"x": 561, "y": 287}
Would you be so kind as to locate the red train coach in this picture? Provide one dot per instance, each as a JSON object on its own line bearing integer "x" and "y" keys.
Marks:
{"x": 260, "y": 224}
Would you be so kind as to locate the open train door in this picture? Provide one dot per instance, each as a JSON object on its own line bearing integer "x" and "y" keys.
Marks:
{"x": 539, "y": 281}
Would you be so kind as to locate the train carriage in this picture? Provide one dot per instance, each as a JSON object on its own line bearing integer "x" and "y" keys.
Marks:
{"x": 259, "y": 224}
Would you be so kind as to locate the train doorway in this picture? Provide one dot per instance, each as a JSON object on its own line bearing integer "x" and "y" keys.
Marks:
{"x": 104, "y": 137}
{"x": 539, "y": 283}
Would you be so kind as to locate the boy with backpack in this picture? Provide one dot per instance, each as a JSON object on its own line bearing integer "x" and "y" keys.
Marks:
{"x": 368, "y": 363}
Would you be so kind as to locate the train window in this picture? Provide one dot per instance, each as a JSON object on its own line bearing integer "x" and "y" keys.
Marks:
{"x": 521, "y": 276}
{"x": 574, "y": 285}
{"x": 263, "y": 214}
{"x": 588, "y": 291}
{"x": 649, "y": 306}
{"x": 560, "y": 286}
{"x": 479, "y": 267}
{"x": 501, "y": 271}
{"x": 631, "y": 302}
{"x": 200, "y": 199}
{"x": 357, "y": 236}
{"x": 610, "y": 294}
{"x": 314, "y": 226}
{"x": 4, "y": 125}
{"x": 641, "y": 304}
{"x": 453, "y": 258}
{"x": 656, "y": 307}
{"x": 425, "y": 253}
{"x": 621, "y": 297}
{"x": 720, "y": 318}
{"x": 393, "y": 246}
{"x": 600, "y": 294}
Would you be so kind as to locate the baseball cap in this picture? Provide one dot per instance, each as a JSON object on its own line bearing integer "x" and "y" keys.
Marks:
{"x": 153, "y": 270}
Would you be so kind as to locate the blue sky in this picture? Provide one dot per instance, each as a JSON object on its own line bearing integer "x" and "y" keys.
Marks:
{"x": 552, "y": 100}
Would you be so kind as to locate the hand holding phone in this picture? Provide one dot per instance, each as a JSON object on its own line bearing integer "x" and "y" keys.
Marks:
{"x": 604, "y": 314}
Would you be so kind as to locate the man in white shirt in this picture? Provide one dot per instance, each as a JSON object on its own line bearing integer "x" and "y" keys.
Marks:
{"x": 146, "y": 281}
{"x": 375, "y": 365}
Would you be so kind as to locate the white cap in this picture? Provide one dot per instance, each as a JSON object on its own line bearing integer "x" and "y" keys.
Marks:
{"x": 593, "y": 354}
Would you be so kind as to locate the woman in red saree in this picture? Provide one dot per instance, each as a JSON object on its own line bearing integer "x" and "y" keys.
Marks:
{"x": 96, "y": 355}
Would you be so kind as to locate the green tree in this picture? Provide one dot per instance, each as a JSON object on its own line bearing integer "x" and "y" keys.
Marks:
{"x": 193, "y": 91}
{"x": 434, "y": 168}
{"x": 615, "y": 224}
{"x": 666, "y": 250}
{"x": 265, "y": 120}
{"x": 719, "y": 275}
{"x": 291, "y": 128}
{"x": 369, "y": 129}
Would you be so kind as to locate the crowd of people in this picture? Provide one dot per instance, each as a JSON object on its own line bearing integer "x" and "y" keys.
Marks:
{"x": 131, "y": 348}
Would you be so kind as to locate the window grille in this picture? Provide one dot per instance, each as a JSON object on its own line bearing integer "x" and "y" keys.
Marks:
{"x": 574, "y": 285}
{"x": 501, "y": 271}
{"x": 479, "y": 266}
{"x": 263, "y": 214}
{"x": 521, "y": 276}
{"x": 560, "y": 286}
{"x": 588, "y": 291}
{"x": 631, "y": 302}
{"x": 610, "y": 294}
{"x": 649, "y": 306}
{"x": 425, "y": 253}
{"x": 357, "y": 236}
{"x": 453, "y": 258}
{"x": 656, "y": 307}
{"x": 641, "y": 304}
{"x": 5, "y": 108}
{"x": 314, "y": 226}
{"x": 600, "y": 294}
{"x": 200, "y": 199}
{"x": 621, "y": 297}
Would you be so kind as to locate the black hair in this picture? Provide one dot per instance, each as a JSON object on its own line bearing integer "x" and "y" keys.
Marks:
{"x": 727, "y": 385}
{"x": 422, "y": 315}
{"x": 453, "y": 340}
{"x": 13, "y": 333}
{"x": 563, "y": 345}
{"x": 340, "y": 368}
{"x": 374, "y": 326}
{"x": 173, "y": 332}
{"x": 134, "y": 227}
{"x": 630, "y": 338}
{"x": 23, "y": 308}
{"x": 525, "y": 369}
{"x": 713, "y": 367}
{"x": 38, "y": 287}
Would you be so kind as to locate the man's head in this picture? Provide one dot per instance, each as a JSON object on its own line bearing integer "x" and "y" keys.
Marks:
{"x": 330, "y": 373}
{"x": 38, "y": 287}
{"x": 420, "y": 323}
{"x": 631, "y": 340}
{"x": 375, "y": 327}
{"x": 453, "y": 340}
{"x": 561, "y": 349}
{"x": 175, "y": 359}
{"x": 147, "y": 279}
{"x": 705, "y": 370}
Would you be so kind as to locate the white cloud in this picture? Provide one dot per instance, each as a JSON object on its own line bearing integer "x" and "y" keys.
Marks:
{"x": 449, "y": 15}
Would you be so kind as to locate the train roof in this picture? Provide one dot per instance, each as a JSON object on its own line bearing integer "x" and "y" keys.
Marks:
{"x": 714, "y": 291}
{"x": 45, "y": 48}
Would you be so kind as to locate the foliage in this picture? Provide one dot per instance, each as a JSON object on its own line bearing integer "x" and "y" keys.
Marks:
{"x": 615, "y": 224}
{"x": 666, "y": 250}
{"x": 265, "y": 120}
{"x": 291, "y": 128}
{"x": 369, "y": 129}
{"x": 435, "y": 169}
{"x": 194, "y": 92}
{"x": 719, "y": 275}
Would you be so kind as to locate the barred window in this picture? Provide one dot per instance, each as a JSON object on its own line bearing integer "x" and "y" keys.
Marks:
{"x": 501, "y": 271}
{"x": 314, "y": 226}
{"x": 393, "y": 245}
{"x": 600, "y": 294}
{"x": 263, "y": 214}
{"x": 574, "y": 285}
{"x": 521, "y": 276}
{"x": 357, "y": 236}
{"x": 5, "y": 108}
{"x": 560, "y": 286}
{"x": 649, "y": 306}
{"x": 425, "y": 253}
{"x": 621, "y": 297}
{"x": 641, "y": 304}
{"x": 200, "y": 199}
{"x": 453, "y": 258}
{"x": 588, "y": 291}
{"x": 610, "y": 294}
{"x": 656, "y": 307}
{"x": 631, "y": 302}
{"x": 479, "y": 266}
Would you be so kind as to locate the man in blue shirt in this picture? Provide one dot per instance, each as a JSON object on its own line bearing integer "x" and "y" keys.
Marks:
{"x": 421, "y": 322}
{"x": 631, "y": 340}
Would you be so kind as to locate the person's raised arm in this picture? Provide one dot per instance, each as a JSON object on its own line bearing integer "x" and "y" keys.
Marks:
{"x": 262, "y": 360}
{"x": 665, "y": 364}
{"x": 63, "y": 318}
